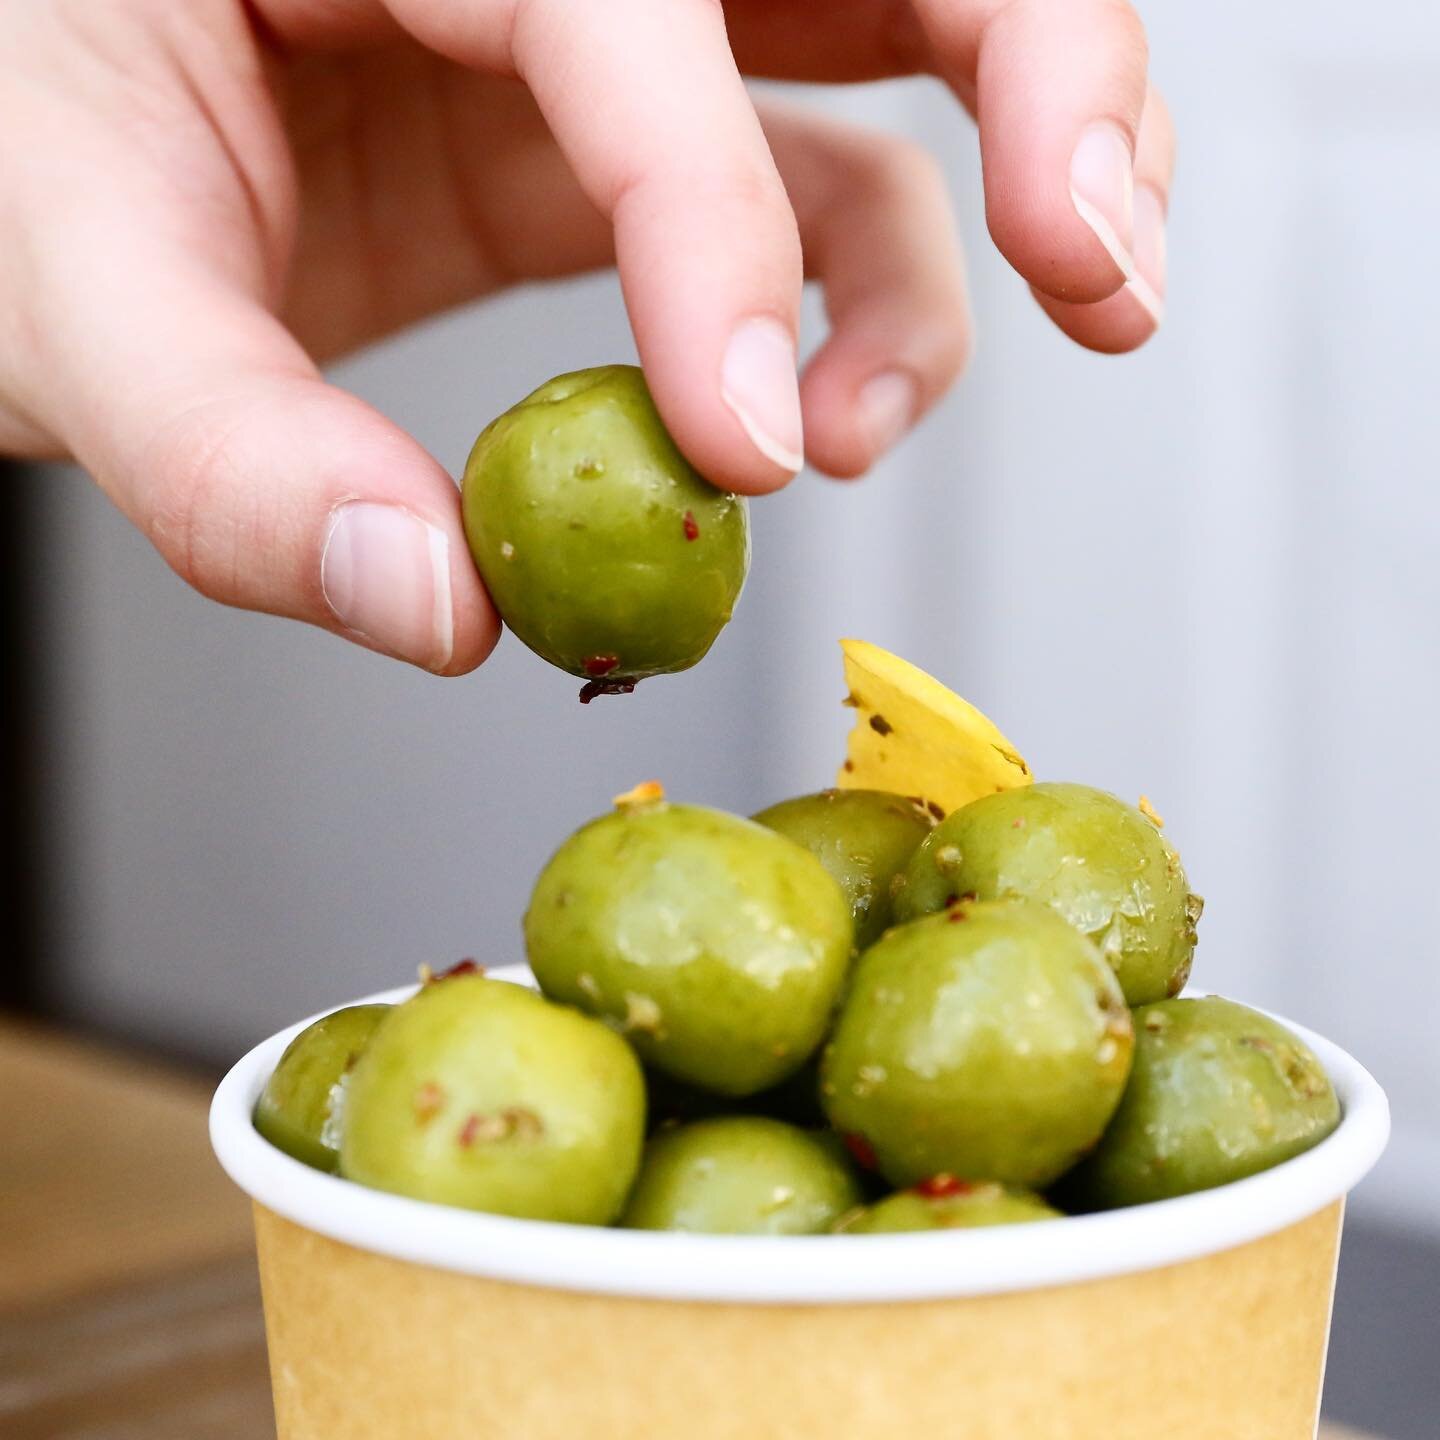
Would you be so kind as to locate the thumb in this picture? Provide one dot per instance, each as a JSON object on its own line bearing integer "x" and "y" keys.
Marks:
{"x": 266, "y": 488}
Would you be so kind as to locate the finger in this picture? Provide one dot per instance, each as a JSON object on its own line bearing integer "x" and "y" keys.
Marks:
{"x": 645, "y": 100}
{"x": 878, "y": 231}
{"x": 261, "y": 485}
{"x": 1131, "y": 316}
{"x": 1058, "y": 87}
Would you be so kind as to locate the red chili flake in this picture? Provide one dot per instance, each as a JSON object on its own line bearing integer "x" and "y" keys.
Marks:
{"x": 598, "y": 665}
{"x": 1018, "y": 823}
{"x": 463, "y": 967}
{"x": 861, "y": 1149}
{"x": 525, "y": 1124}
{"x": 880, "y": 725}
{"x": 938, "y": 1187}
{"x": 591, "y": 688}
{"x": 469, "y": 1130}
{"x": 428, "y": 1100}
{"x": 692, "y": 530}
{"x": 957, "y": 915}
{"x": 849, "y": 767}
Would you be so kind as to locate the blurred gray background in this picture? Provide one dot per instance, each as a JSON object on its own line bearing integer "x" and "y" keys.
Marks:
{"x": 1207, "y": 572}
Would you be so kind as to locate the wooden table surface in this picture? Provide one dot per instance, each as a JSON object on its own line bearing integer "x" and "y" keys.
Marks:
{"x": 129, "y": 1303}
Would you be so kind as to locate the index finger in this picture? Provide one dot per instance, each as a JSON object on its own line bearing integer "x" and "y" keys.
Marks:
{"x": 644, "y": 99}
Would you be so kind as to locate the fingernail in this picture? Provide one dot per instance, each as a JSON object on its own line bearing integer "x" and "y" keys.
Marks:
{"x": 386, "y": 575}
{"x": 1147, "y": 284}
{"x": 1102, "y": 187}
{"x": 759, "y": 384}
{"x": 887, "y": 408}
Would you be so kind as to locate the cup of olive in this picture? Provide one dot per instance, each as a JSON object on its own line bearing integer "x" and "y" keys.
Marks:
{"x": 389, "y": 1316}
{"x": 879, "y": 1114}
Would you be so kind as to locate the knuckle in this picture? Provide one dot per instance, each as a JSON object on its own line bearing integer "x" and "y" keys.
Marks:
{"x": 741, "y": 184}
{"x": 744, "y": 198}
{"x": 1111, "y": 29}
{"x": 193, "y": 490}
{"x": 1119, "y": 20}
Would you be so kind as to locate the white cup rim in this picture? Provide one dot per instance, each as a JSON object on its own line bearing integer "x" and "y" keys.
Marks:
{"x": 821, "y": 1269}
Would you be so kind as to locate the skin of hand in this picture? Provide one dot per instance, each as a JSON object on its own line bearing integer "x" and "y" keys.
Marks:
{"x": 200, "y": 202}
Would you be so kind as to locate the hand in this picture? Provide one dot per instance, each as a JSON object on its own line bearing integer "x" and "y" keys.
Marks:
{"x": 199, "y": 201}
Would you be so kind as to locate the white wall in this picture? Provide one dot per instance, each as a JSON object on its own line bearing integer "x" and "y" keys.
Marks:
{"x": 1206, "y": 572}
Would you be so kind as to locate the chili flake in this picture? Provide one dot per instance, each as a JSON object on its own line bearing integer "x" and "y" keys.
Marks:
{"x": 943, "y": 1185}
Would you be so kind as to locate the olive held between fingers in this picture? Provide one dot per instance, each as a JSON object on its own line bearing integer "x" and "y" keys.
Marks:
{"x": 742, "y": 1175}
{"x": 945, "y": 1203}
{"x": 603, "y": 549}
{"x": 299, "y": 1111}
{"x": 1102, "y": 865}
{"x": 863, "y": 838}
{"x": 1218, "y": 1092}
{"x": 717, "y": 946}
{"x": 989, "y": 1042}
{"x": 485, "y": 1095}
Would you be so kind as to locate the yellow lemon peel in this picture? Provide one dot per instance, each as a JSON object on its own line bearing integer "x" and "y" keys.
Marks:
{"x": 915, "y": 737}
{"x": 647, "y": 792}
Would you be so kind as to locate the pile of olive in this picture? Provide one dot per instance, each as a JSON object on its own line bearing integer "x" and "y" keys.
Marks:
{"x": 838, "y": 1016}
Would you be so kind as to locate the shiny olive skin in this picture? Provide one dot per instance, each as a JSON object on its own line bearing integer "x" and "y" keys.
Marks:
{"x": 742, "y": 1175}
{"x": 965, "y": 1208}
{"x": 864, "y": 838}
{"x": 1097, "y": 862}
{"x": 602, "y": 547}
{"x": 989, "y": 1042}
{"x": 485, "y": 1095}
{"x": 299, "y": 1111}
{"x": 717, "y": 946}
{"x": 1218, "y": 1092}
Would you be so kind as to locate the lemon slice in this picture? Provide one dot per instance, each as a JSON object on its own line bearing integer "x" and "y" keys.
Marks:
{"x": 916, "y": 738}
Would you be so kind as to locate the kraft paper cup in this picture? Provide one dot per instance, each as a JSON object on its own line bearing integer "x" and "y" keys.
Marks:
{"x": 1193, "y": 1319}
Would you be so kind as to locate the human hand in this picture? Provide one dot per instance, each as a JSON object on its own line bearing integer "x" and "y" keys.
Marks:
{"x": 201, "y": 201}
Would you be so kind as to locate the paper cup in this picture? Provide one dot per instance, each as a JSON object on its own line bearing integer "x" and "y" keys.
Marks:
{"x": 1195, "y": 1318}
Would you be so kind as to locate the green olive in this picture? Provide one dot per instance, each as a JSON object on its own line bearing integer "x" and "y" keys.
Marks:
{"x": 989, "y": 1042}
{"x": 299, "y": 1110}
{"x": 1099, "y": 863}
{"x": 717, "y": 946}
{"x": 485, "y": 1095}
{"x": 602, "y": 547}
{"x": 863, "y": 838}
{"x": 742, "y": 1175}
{"x": 1218, "y": 1092}
{"x": 956, "y": 1205}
